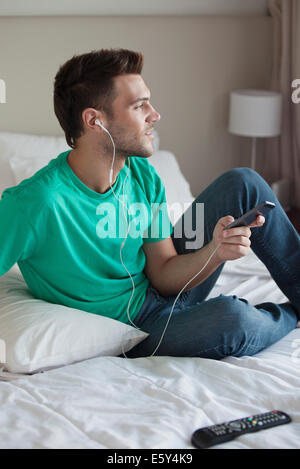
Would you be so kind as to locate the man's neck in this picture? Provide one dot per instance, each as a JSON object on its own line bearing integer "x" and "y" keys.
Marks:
{"x": 93, "y": 170}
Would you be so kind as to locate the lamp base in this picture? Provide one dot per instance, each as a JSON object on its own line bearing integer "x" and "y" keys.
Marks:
{"x": 253, "y": 153}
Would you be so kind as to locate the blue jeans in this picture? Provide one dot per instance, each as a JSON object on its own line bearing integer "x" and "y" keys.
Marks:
{"x": 227, "y": 325}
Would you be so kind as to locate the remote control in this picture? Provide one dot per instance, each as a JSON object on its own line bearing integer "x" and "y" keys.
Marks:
{"x": 226, "y": 431}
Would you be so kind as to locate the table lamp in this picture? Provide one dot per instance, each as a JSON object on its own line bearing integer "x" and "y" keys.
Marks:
{"x": 255, "y": 113}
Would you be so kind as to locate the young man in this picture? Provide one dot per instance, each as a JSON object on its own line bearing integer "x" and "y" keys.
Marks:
{"x": 54, "y": 225}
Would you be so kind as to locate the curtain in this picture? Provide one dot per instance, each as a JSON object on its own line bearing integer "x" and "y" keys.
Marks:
{"x": 282, "y": 154}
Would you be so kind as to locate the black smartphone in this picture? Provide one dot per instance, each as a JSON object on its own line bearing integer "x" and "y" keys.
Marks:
{"x": 250, "y": 217}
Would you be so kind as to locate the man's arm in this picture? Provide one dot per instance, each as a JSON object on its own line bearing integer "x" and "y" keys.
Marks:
{"x": 17, "y": 239}
{"x": 168, "y": 271}
{"x": 169, "y": 274}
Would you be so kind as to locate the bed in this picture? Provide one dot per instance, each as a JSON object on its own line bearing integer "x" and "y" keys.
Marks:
{"x": 102, "y": 401}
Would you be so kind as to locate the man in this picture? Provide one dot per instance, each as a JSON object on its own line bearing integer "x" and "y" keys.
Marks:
{"x": 58, "y": 230}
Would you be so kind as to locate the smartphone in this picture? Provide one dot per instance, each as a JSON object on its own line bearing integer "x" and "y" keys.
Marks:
{"x": 250, "y": 217}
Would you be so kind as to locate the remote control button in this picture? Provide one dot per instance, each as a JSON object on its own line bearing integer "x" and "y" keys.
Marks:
{"x": 236, "y": 425}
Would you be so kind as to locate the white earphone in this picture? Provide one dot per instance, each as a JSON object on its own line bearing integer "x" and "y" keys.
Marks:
{"x": 102, "y": 126}
{"x": 97, "y": 122}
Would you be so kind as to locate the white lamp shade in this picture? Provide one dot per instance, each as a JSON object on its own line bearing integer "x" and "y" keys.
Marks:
{"x": 255, "y": 113}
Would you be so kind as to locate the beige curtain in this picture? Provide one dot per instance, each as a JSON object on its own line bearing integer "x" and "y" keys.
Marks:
{"x": 282, "y": 154}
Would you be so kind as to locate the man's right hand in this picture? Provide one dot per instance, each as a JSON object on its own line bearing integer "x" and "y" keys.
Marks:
{"x": 235, "y": 242}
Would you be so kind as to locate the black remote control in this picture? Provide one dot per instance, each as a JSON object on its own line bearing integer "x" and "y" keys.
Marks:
{"x": 216, "y": 434}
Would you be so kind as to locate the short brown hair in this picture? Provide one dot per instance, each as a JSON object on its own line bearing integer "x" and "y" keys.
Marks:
{"x": 87, "y": 81}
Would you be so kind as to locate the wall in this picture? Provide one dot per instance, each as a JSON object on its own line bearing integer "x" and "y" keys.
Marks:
{"x": 132, "y": 7}
{"x": 191, "y": 64}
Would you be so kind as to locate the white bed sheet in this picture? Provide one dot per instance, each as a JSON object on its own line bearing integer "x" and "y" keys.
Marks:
{"x": 157, "y": 402}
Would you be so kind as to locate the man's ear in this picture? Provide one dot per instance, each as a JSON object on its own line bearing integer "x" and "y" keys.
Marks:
{"x": 90, "y": 115}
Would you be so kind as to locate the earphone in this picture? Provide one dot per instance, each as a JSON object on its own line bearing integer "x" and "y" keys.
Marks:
{"x": 97, "y": 122}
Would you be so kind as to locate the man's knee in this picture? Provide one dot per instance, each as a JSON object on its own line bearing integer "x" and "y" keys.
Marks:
{"x": 248, "y": 184}
{"x": 236, "y": 323}
{"x": 233, "y": 311}
{"x": 242, "y": 175}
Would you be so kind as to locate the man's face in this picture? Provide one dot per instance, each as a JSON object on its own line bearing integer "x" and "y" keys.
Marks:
{"x": 133, "y": 117}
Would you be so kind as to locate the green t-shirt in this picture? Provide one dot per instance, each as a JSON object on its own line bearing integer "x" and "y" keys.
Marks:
{"x": 66, "y": 238}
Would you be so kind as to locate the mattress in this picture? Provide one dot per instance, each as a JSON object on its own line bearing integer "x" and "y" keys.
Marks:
{"x": 157, "y": 402}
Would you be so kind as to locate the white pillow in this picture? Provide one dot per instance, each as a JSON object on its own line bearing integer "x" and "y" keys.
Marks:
{"x": 32, "y": 150}
{"x": 36, "y": 335}
{"x": 25, "y": 146}
{"x": 178, "y": 192}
